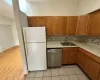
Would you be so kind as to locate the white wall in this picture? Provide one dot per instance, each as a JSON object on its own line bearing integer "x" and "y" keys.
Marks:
{"x": 15, "y": 34}
{"x": 57, "y": 8}
{"x": 24, "y": 23}
{"x": 11, "y": 23}
{"x": 23, "y": 19}
{"x": 0, "y": 48}
{"x": 5, "y": 20}
{"x": 87, "y": 6}
{"x": 6, "y": 37}
{"x": 6, "y": 9}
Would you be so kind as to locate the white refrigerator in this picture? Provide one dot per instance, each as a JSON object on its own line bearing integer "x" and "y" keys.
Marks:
{"x": 35, "y": 45}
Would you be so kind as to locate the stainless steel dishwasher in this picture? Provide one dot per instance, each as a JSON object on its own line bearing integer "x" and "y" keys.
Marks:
{"x": 54, "y": 57}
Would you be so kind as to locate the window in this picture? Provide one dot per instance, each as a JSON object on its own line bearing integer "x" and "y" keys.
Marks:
{"x": 8, "y": 2}
{"x": 23, "y": 5}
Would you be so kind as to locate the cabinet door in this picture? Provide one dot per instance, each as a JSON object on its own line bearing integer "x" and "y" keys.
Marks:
{"x": 71, "y": 25}
{"x": 49, "y": 24}
{"x": 92, "y": 68}
{"x": 69, "y": 55}
{"x": 81, "y": 60}
{"x": 65, "y": 57}
{"x": 32, "y": 21}
{"x": 58, "y": 26}
{"x": 94, "y": 29}
{"x": 73, "y": 56}
{"x": 99, "y": 77}
{"x": 82, "y": 25}
{"x": 41, "y": 21}
{"x": 36, "y": 21}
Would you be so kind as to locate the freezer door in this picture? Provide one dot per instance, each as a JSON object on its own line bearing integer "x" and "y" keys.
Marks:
{"x": 36, "y": 56}
{"x": 35, "y": 34}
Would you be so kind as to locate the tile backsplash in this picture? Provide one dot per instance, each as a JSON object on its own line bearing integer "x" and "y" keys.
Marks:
{"x": 62, "y": 38}
{"x": 90, "y": 39}
{"x": 95, "y": 40}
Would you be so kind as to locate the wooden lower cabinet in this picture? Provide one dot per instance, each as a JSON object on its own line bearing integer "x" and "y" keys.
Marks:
{"x": 88, "y": 65}
{"x": 69, "y": 55}
{"x": 92, "y": 68}
{"x": 81, "y": 60}
{"x": 99, "y": 77}
{"x": 81, "y": 57}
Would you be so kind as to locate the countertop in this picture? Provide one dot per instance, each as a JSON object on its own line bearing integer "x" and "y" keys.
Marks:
{"x": 92, "y": 48}
{"x": 56, "y": 44}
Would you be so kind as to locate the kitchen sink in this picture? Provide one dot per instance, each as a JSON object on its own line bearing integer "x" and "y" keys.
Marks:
{"x": 67, "y": 44}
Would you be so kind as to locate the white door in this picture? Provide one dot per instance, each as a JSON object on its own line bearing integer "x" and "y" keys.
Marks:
{"x": 36, "y": 56}
{"x": 35, "y": 34}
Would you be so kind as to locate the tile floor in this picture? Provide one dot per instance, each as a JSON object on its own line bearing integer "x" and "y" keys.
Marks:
{"x": 63, "y": 73}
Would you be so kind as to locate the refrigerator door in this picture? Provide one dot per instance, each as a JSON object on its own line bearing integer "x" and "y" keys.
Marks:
{"x": 36, "y": 56}
{"x": 35, "y": 34}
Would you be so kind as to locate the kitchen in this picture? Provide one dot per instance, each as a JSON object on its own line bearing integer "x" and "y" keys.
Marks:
{"x": 71, "y": 40}
{"x": 59, "y": 40}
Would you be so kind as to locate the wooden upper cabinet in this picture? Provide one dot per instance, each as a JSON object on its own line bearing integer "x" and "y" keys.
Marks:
{"x": 49, "y": 24}
{"x": 82, "y": 25}
{"x": 94, "y": 29}
{"x": 41, "y": 21}
{"x": 35, "y": 21}
{"x": 68, "y": 25}
{"x": 58, "y": 26}
{"x": 71, "y": 25}
{"x": 32, "y": 21}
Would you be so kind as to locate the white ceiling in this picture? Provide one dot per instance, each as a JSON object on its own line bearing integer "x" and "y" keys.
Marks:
{"x": 6, "y": 10}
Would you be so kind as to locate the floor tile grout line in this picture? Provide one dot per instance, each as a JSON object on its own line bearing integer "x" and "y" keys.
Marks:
{"x": 66, "y": 71}
{"x": 71, "y": 75}
{"x": 43, "y": 74}
{"x": 73, "y": 71}
{"x": 56, "y": 75}
{"x": 59, "y": 73}
{"x": 68, "y": 77}
{"x": 51, "y": 73}
{"x": 35, "y": 75}
{"x": 78, "y": 77}
{"x": 46, "y": 76}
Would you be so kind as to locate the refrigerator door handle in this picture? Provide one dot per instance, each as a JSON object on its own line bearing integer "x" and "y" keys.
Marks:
{"x": 25, "y": 41}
